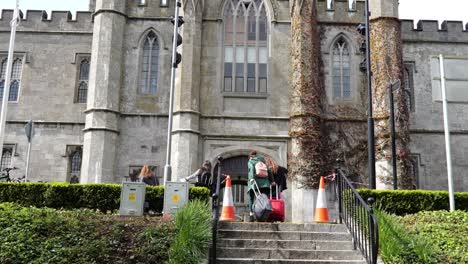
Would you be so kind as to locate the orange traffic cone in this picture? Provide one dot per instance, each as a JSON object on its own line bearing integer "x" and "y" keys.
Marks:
{"x": 227, "y": 214}
{"x": 321, "y": 211}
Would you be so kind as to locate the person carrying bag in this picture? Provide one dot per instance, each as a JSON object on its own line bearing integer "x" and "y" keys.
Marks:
{"x": 262, "y": 176}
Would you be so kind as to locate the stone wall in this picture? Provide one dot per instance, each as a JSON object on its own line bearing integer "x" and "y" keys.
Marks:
{"x": 420, "y": 43}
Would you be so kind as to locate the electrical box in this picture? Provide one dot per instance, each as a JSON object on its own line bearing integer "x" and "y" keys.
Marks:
{"x": 176, "y": 195}
{"x": 132, "y": 198}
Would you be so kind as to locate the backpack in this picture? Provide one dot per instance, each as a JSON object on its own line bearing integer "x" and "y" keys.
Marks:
{"x": 204, "y": 179}
{"x": 261, "y": 170}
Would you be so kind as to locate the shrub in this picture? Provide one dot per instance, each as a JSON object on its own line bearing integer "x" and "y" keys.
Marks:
{"x": 402, "y": 202}
{"x": 104, "y": 197}
{"x": 153, "y": 243}
{"x": 32, "y": 235}
{"x": 397, "y": 246}
{"x": 446, "y": 230}
{"x": 193, "y": 224}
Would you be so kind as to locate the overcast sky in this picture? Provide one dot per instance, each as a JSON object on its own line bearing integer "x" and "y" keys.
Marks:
{"x": 409, "y": 9}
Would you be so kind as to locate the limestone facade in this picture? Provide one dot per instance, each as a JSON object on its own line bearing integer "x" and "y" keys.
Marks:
{"x": 122, "y": 127}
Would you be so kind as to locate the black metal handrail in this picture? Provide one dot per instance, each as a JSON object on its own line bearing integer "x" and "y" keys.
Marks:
{"x": 358, "y": 217}
{"x": 215, "y": 207}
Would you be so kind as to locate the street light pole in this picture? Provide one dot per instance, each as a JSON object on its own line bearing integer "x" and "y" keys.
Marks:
{"x": 392, "y": 88}
{"x": 370, "y": 118}
{"x": 6, "y": 88}
{"x": 167, "y": 167}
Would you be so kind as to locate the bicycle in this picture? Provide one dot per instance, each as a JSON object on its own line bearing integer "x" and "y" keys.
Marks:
{"x": 5, "y": 175}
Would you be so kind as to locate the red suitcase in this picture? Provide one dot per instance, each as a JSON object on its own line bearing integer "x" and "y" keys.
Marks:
{"x": 277, "y": 204}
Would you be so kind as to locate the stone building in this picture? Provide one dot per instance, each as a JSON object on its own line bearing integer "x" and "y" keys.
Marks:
{"x": 279, "y": 76}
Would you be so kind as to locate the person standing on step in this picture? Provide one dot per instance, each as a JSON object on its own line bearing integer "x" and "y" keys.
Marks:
{"x": 202, "y": 176}
{"x": 262, "y": 176}
{"x": 279, "y": 174}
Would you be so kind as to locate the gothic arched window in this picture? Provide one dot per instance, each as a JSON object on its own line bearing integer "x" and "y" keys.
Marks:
{"x": 6, "y": 158}
{"x": 15, "y": 78}
{"x": 149, "y": 64}
{"x": 75, "y": 154}
{"x": 409, "y": 85}
{"x": 82, "y": 93}
{"x": 341, "y": 69}
{"x": 245, "y": 46}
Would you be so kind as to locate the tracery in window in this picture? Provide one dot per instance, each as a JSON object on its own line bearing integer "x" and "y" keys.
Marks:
{"x": 15, "y": 78}
{"x": 341, "y": 70}
{"x": 245, "y": 46}
{"x": 149, "y": 64}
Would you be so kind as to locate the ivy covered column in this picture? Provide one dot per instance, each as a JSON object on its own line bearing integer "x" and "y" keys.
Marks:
{"x": 387, "y": 66}
{"x": 305, "y": 162}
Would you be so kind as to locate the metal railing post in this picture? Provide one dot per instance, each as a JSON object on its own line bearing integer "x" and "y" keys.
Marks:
{"x": 215, "y": 202}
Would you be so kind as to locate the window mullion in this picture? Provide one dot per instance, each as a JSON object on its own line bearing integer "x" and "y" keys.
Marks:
{"x": 246, "y": 37}
{"x": 148, "y": 74}
{"x": 257, "y": 51}
{"x": 234, "y": 50}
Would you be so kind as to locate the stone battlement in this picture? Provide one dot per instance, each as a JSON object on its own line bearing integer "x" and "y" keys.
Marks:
{"x": 340, "y": 12}
{"x": 36, "y": 20}
{"x": 428, "y": 30}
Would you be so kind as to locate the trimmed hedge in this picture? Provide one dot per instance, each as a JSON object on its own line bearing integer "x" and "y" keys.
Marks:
{"x": 104, "y": 197}
{"x": 402, "y": 202}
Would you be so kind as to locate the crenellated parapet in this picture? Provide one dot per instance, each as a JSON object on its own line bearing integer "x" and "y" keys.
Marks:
{"x": 340, "y": 12}
{"x": 60, "y": 21}
{"x": 429, "y": 31}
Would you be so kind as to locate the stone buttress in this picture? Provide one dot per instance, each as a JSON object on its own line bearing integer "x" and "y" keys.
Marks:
{"x": 101, "y": 133}
{"x": 387, "y": 66}
{"x": 186, "y": 145}
{"x": 305, "y": 162}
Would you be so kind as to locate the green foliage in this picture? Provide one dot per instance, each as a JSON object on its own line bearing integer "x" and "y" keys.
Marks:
{"x": 32, "y": 235}
{"x": 397, "y": 246}
{"x": 412, "y": 201}
{"x": 193, "y": 223}
{"x": 104, "y": 197}
{"x": 154, "y": 243}
{"x": 447, "y": 231}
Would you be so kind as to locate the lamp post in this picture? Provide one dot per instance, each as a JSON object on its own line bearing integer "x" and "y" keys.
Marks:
{"x": 176, "y": 57}
{"x": 394, "y": 86}
{"x": 370, "y": 118}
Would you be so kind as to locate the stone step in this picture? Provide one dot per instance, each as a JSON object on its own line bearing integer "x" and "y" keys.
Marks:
{"x": 283, "y": 227}
{"x": 262, "y": 253}
{"x": 284, "y": 235}
{"x": 284, "y": 261}
{"x": 286, "y": 244}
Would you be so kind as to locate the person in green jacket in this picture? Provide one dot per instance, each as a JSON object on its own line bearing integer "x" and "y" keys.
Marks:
{"x": 263, "y": 183}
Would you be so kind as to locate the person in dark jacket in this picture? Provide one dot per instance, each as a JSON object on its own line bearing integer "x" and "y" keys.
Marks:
{"x": 279, "y": 173}
{"x": 262, "y": 182}
{"x": 202, "y": 176}
{"x": 148, "y": 177}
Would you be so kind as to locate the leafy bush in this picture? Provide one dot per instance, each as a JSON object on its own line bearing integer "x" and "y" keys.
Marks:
{"x": 402, "y": 202}
{"x": 193, "y": 224}
{"x": 446, "y": 230}
{"x": 154, "y": 243}
{"x": 32, "y": 235}
{"x": 397, "y": 246}
{"x": 105, "y": 197}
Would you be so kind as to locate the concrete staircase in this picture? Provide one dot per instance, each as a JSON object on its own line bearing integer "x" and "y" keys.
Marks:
{"x": 258, "y": 243}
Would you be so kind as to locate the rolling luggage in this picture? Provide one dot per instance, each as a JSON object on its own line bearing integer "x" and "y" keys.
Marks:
{"x": 277, "y": 206}
{"x": 261, "y": 207}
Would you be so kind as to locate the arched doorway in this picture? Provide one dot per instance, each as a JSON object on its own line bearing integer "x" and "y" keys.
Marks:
{"x": 237, "y": 168}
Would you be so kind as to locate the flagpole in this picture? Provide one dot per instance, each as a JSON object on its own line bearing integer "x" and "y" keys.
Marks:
{"x": 448, "y": 152}
{"x": 6, "y": 88}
